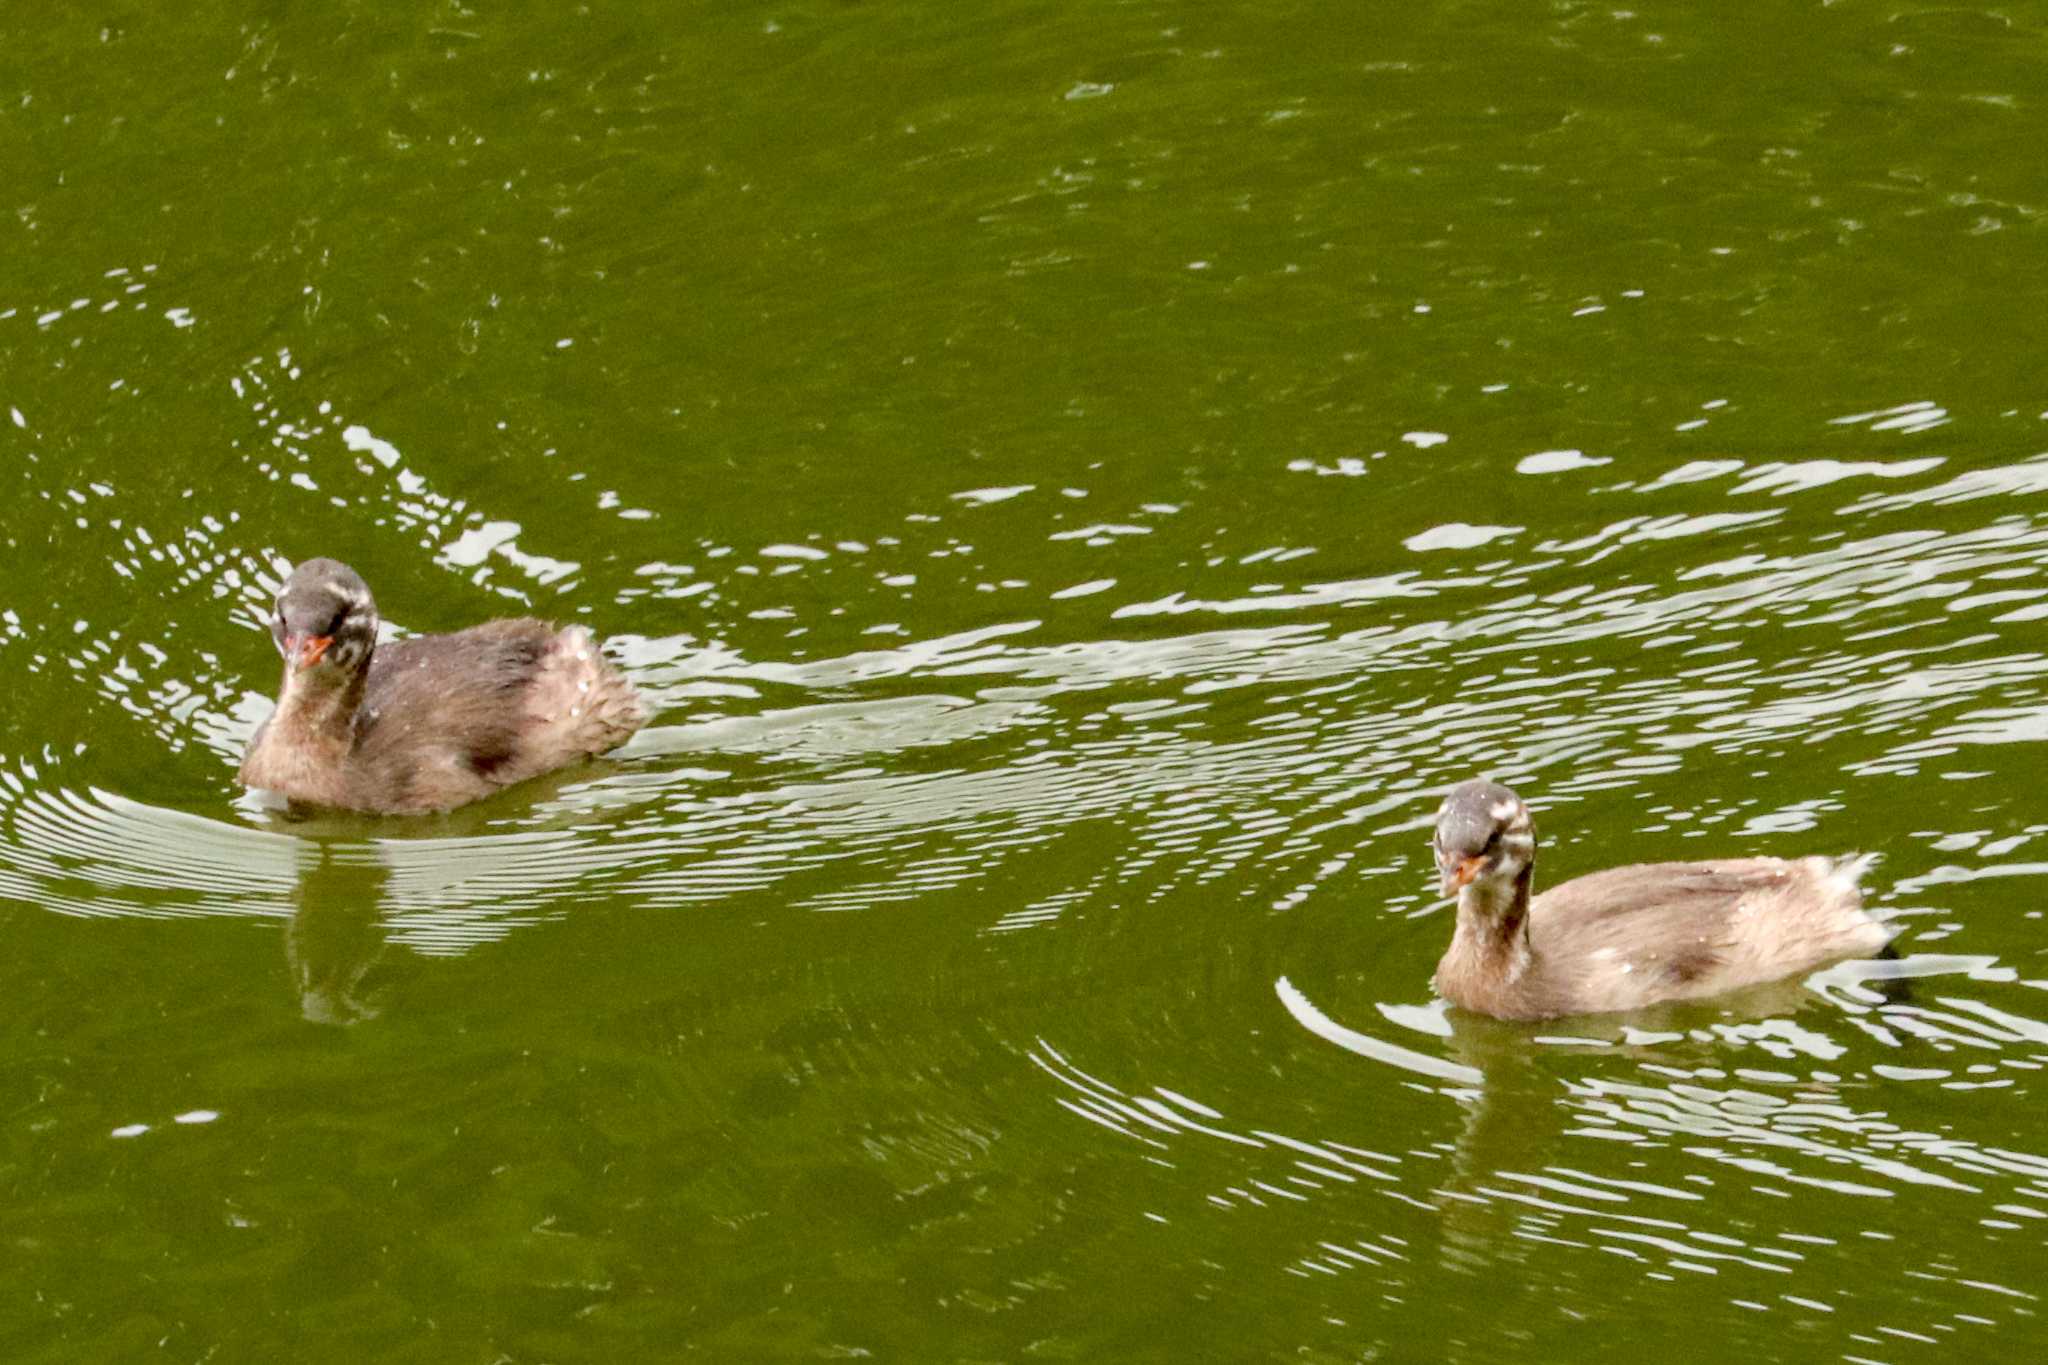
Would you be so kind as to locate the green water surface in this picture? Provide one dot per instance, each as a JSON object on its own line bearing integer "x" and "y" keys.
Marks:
{"x": 1075, "y": 485}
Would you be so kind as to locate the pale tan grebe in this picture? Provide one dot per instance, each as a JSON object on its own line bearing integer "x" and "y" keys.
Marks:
{"x": 1631, "y": 936}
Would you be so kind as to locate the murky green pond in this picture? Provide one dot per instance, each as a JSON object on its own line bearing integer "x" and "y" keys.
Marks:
{"x": 1076, "y": 486}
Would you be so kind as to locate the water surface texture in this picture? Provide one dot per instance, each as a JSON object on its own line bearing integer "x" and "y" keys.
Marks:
{"x": 1075, "y": 485}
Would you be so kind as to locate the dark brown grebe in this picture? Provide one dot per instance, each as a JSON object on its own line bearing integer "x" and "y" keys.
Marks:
{"x": 429, "y": 723}
{"x": 1631, "y": 936}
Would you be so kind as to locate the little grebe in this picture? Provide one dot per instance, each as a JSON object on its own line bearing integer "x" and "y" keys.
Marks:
{"x": 429, "y": 723}
{"x": 1630, "y": 936}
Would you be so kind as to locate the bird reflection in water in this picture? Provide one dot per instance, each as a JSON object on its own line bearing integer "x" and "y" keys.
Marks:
{"x": 335, "y": 940}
